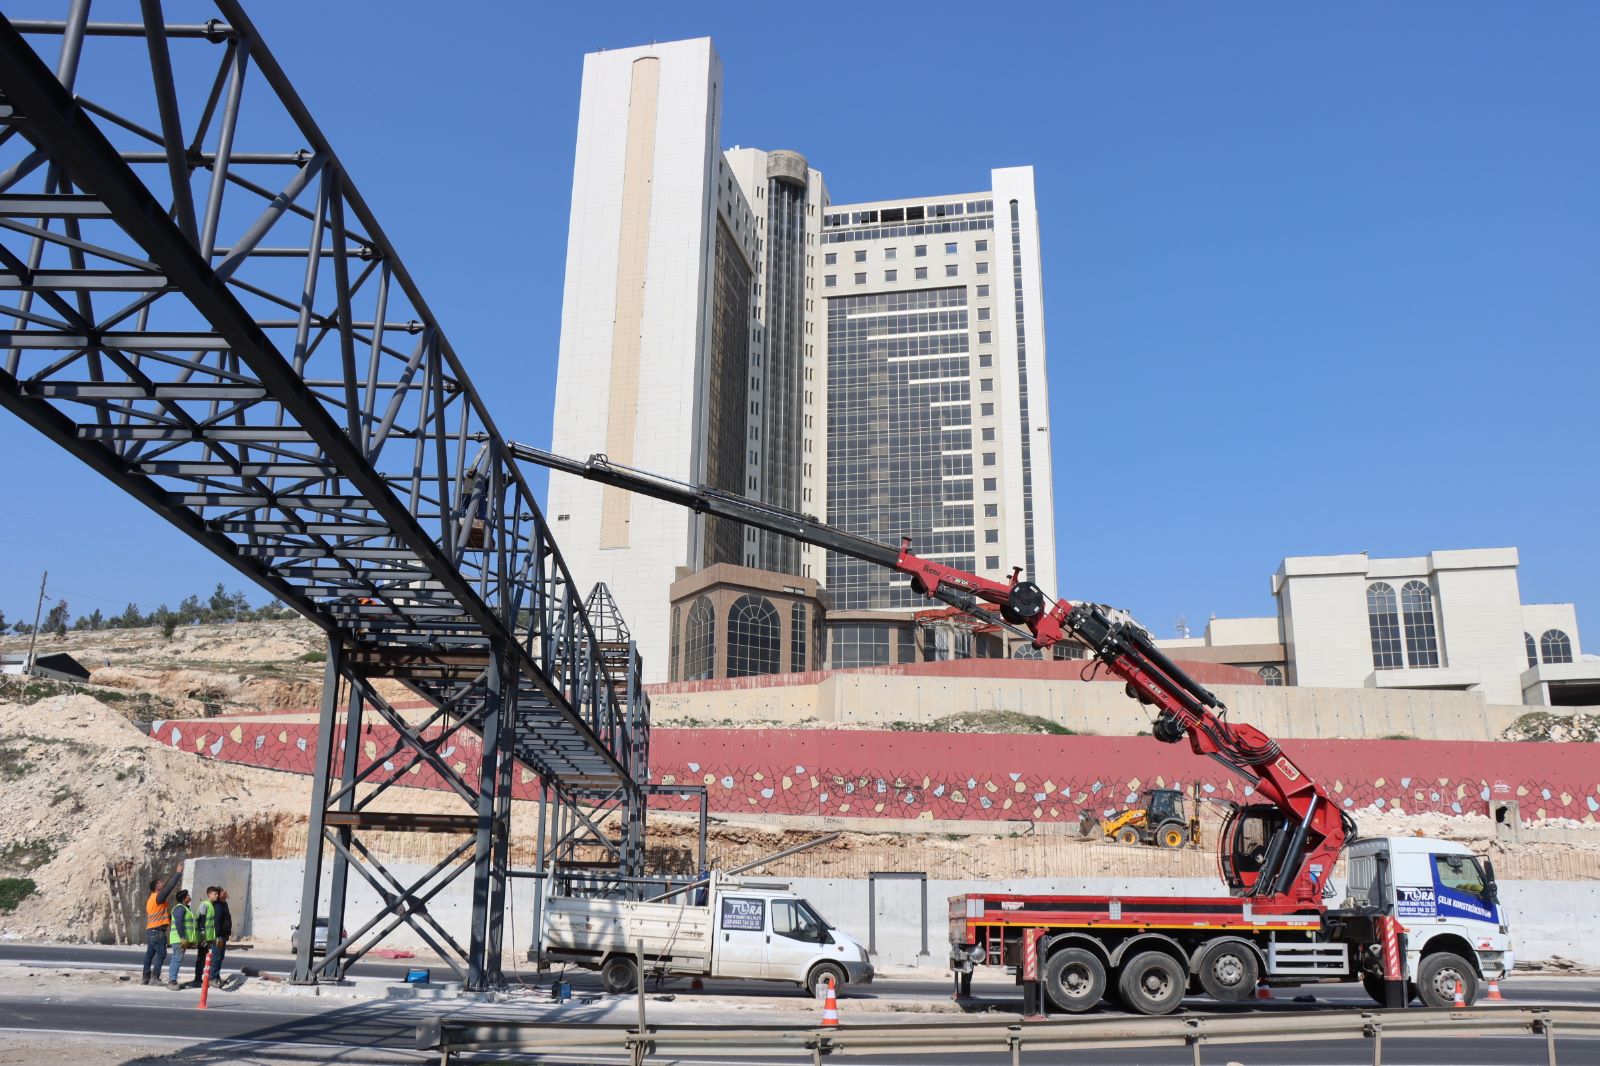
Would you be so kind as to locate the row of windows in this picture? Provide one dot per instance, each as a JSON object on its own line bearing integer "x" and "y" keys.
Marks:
{"x": 951, "y": 270}
{"x": 919, "y": 229}
{"x": 912, "y": 213}
{"x": 893, "y": 252}
{"x": 1554, "y": 647}
{"x": 754, "y": 639}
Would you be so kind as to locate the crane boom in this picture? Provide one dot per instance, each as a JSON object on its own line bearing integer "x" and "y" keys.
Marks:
{"x": 1284, "y": 849}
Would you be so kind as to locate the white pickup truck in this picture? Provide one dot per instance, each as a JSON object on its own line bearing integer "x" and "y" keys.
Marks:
{"x": 749, "y": 931}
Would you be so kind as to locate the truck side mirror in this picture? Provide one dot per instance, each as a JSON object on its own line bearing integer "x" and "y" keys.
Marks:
{"x": 1491, "y": 887}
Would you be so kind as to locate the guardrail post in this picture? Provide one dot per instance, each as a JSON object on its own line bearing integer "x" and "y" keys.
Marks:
{"x": 1373, "y": 1027}
{"x": 1014, "y": 1042}
{"x": 1196, "y": 1035}
{"x": 1549, "y": 1027}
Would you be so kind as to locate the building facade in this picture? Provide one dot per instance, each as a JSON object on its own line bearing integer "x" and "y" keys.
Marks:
{"x": 1449, "y": 620}
{"x": 880, "y": 366}
{"x": 937, "y": 404}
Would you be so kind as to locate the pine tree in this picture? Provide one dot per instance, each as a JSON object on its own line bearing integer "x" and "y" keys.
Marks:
{"x": 2, "y": 621}
{"x": 56, "y": 621}
{"x": 96, "y": 619}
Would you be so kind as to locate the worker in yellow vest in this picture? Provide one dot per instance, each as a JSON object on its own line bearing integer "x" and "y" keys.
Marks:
{"x": 157, "y": 918}
{"x": 182, "y": 938}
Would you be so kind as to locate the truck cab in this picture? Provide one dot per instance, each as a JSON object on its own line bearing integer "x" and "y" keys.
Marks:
{"x": 1448, "y": 904}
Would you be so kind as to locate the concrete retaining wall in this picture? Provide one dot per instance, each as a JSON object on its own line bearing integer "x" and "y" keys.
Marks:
{"x": 1550, "y": 917}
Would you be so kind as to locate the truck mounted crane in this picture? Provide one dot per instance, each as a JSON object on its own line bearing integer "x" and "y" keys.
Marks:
{"x": 1276, "y": 856}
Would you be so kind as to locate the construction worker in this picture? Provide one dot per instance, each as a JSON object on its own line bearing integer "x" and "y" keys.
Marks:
{"x": 223, "y": 932}
{"x": 206, "y": 930}
{"x": 157, "y": 916}
{"x": 182, "y": 937}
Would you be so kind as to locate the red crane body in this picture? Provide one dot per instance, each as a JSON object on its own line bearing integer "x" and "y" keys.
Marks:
{"x": 1280, "y": 853}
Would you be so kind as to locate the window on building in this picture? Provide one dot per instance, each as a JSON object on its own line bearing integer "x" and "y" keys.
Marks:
{"x": 891, "y": 275}
{"x": 950, "y": 249}
{"x": 991, "y": 510}
{"x": 1024, "y": 650}
{"x": 861, "y": 255}
{"x": 986, "y": 384}
{"x": 983, "y": 314}
{"x": 989, "y": 484}
{"x": 983, "y": 290}
{"x": 675, "y": 660}
{"x": 1555, "y": 647}
{"x": 1271, "y": 675}
{"x": 858, "y": 645}
{"x": 830, "y": 281}
{"x": 988, "y": 433}
{"x": 985, "y": 336}
{"x": 700, "y": 641}
{"x": 991, "y": 536}
{"x": 991, "y": 562}
{"x": 797, "y": 637}
{"x": 982, "y": 246}
{"x": 983, "y": 268}
{"x": 830, "y": 258}
{"x": 753, "y": 638}
{"x": 861, "y": 278}
{"x": 950, "y": 270}
{"x": 988, "y": 458}
{"x": 922, "y": 273}
{"x": 891, "y": 253}
{"x": 920, "y": 250}
{"x": 1532, "y": 649}
{"x": 1383, "y": 621}
{"x": 1422, "y": 635}
{"x": 907, "y": 645}
{"x": 986, "y": 410}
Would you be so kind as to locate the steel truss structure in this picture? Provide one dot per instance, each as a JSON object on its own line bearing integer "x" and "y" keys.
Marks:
{"x": 203, "y": 309}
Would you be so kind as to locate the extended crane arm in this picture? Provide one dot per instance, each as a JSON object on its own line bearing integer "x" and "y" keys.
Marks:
{"x": 1297, "y": 850}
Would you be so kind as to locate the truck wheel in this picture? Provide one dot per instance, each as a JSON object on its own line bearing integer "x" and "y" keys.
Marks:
{"x": 1152, "y": 982}
{"x": 1228, "y": 971}
{"x": 1170, "y": 836}
{"x": 817, "y": 979}
{"x": 1437, "y": 977}
{"x": 1075, "y": 979}
{"x": 1127, "y": 835}
{"x": 618, "y": 974}
{"x": 1374, "y": 984}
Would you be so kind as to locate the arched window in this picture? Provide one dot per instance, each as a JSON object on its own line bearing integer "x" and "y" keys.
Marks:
{"x": 753, "y": 637}
{"x": 1383, "y": 619}
{"x": 1555, "y": 647}
{"x": 675, "y": 661}
{"x": 1024, "y": 650}
{"x": 700, "y": 642}
{"x": 1422, "y": 636}
{"x": 1271, "y": 676}
{"x": 1532, "y": 649}
{"x": 797, "y": 637}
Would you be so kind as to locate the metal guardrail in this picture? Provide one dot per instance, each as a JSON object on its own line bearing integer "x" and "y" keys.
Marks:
{"x": 453, "y": 1037}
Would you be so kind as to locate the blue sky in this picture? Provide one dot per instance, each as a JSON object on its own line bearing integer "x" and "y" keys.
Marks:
{"x": 1318, "y": 278}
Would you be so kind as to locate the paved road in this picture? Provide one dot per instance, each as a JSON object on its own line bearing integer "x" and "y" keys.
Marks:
{"x": 382, "y": 1032}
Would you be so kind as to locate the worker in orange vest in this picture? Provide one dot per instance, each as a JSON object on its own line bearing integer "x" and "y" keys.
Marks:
{"x": 157, "y": 922}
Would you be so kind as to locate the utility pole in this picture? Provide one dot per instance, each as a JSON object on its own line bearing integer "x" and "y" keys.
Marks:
{"x": 34, "y": 638}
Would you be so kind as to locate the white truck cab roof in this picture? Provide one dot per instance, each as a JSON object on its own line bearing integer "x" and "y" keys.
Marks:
{"x": 1408, "y": 845}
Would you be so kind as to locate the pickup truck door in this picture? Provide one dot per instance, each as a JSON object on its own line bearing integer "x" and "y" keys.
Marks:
{"x": 740, "y": 949}
{"x": 794, "y": 942}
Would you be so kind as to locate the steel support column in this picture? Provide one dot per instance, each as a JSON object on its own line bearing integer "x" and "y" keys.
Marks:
{"x": 311, "y": 880}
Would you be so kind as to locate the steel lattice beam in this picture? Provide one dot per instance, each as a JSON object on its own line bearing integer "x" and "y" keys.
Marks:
{"x": 204, "y": 310}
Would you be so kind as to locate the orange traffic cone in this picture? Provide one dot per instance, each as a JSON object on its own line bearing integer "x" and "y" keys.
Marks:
{"x": 830, "y": 1007}
{"x": 1494, "y": 995}
{"x": 1262, "y": 991}
{"x": 1461, "y": 1000}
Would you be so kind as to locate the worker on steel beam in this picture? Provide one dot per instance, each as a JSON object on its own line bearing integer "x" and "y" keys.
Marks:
{"x": 157, "y": 917}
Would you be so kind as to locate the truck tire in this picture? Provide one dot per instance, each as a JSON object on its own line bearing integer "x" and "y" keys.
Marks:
{"x": 1075, "y": 979}
{"x": 618, "y": 974}
{"x": 1437, "y": 977}
{"x": 1170, "y": 835}
{"x": 1228, "y": 971}
{"x": 1127, "y": 835}
{"x": 817, "y": 979}
{"x": 1152, "y": 982}
{"x": 1374, "y": 984}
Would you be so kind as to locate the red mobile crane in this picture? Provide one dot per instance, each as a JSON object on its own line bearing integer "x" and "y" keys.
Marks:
{"x": 1275, "y": 856}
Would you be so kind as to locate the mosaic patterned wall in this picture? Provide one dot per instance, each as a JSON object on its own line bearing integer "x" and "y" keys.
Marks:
{"x": 869, "y": 774}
